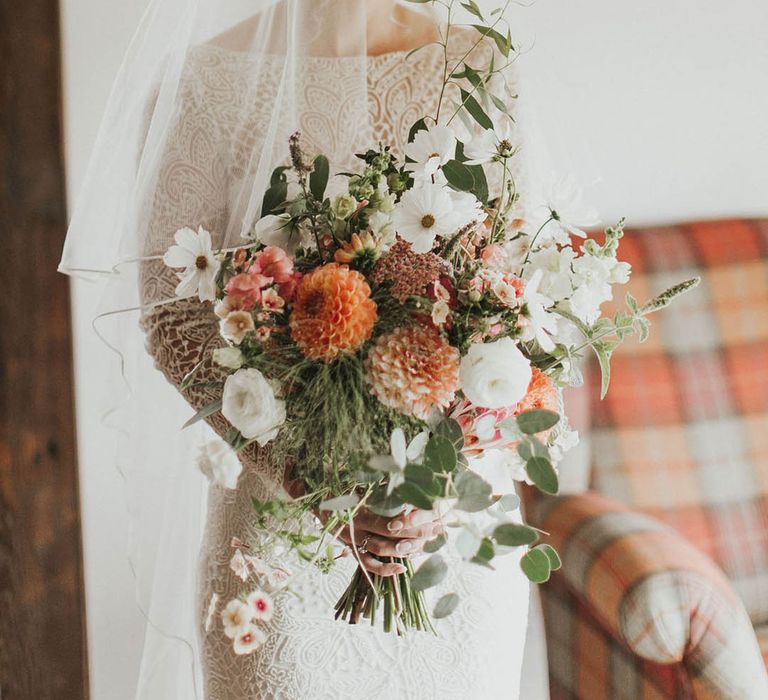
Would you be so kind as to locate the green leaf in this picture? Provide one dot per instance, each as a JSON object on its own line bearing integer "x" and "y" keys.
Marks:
{"x": 536, "y": 566}
{"x": 278, "y": 175}
{"x": 414, "y": 495}
{"x": 502, "y": 42}
{"x": 430, "y": 573}
{"x": 552, "y": 555}
{"x": 418, "y": 126}
{"x": 509, "y": 502}
{"x": 385, "y": 505}
{"x": 274, "y": 199}
{"x": 445, "y": 606}
{"x": 531, "y": 446}
{"x": 318, "y": 178}
{"x": 340, "y": 503}
{"x": 471, "y": 6}
{"x": 485, "y": 554}
{"x": 451, "y": 430}
{"x": 431, "y": 546}
{"x": 543, "y": 474}
{"x": 440, "y": 454}
{"x": 514, "y": 535}
{"x": 603, "y": 353}
{"x": 419, "y": 474}
{"x": 467, "y": 178}
{"x": 474, "y": 492}
{"x": 204, "y": 412}
{"x": 475, "y": 110}
{"x": 189, "y": 377}
{"x": 537, "y": 421}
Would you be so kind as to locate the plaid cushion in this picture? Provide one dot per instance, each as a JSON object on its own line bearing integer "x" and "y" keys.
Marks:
{"x": 637, "y": 612}
{"x": 683, "y": 432}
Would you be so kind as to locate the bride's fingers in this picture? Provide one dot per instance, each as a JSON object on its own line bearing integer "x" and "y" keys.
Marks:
{"x": 418, "y": 523}
{"x": 382, "y": 568}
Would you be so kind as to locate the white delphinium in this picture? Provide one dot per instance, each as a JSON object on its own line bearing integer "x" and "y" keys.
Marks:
{"x": 494, "y": 375}
{"x": 219, "y": 463}
{"x": 557, "y": 275}
{"x": 250, "y": 405}
{"x": 592, "y": 279}
{"x": 539, "y": 324}
{"x": 249, "y": 639}
{"x": 430, "y": 149}
{"x": 194, "y": 252}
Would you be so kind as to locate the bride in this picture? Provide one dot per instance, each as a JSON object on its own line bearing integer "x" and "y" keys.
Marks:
{"x": 201, "y": 115}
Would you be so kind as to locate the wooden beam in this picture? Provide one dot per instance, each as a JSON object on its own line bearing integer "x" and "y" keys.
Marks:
{"x": 42, "y": 632}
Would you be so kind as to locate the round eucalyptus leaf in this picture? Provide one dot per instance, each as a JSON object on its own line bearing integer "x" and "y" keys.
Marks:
{"x": 515, "y": 535}
{"x": 431, "y": 572}
{"x": 535, "y": 565}
{"x": 543, "y": 474}
{"x": 445, "y": 606}
{"x": 440, "y": 454}
{"x": 537, "y": 421}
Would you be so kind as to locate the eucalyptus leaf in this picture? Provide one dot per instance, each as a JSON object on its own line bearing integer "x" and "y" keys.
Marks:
{"x": 431, "y": 546}
{"x": 552, "y": 555}
{"x": 485, "y": 554}
{"x": 440, "y": 454}
{"x": 509, "y": 502}
{"x": 537, "y": 421}
{"x": 515, "y": 535}
{"x": 385, "y": 505}
{"x": 536, "y": 566}
{"x": 418, "y": 474}
{"x": 475, "y": 110}
{"x": 543, "y": 474}
{"x": 318, "y": 178}
{"x": 531, "y": 446}
{"x": 451, "y": 430}
{"x": 474, "y": 492}
{"x": 411, "y": 493}
{"x": 502, "y": 42}
{"x": 445, "y": 606}
{"x": 430, "y": 573}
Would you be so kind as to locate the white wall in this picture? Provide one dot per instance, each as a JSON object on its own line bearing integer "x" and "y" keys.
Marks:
{"x": 665, "y": 99}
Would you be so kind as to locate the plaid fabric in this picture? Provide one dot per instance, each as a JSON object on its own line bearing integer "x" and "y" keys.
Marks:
{"x": 683, "y": 432}
{"x": 636, "y": 612}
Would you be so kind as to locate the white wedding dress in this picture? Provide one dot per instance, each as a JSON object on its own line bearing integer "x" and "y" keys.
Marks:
{"x": 308, "y": 655}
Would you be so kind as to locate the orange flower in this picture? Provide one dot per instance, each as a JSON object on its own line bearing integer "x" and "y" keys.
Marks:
{"x": 413, "y": 369}
{"x": 332, "y": 312}
{"x": 541, "y": 394}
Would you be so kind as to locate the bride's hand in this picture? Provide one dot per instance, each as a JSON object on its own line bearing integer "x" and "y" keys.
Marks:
{"x": 399, "y": 537}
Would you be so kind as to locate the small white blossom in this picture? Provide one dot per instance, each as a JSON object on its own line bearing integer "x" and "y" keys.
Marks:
{"x": 194, "y": 252}
{"x": 261, "y": 605}
{"x": 236, "y": 326}
{"x": 539, "y": 325}
{"x": 228, "y": 357}
{"x": 564, "y": 200}
{"x": 277, "y": 230}
{"x": 239, "y": 565}
{"x": 440, "y": 312}
{"x": 236, "y": 618}
{"x": 219, "y": 463}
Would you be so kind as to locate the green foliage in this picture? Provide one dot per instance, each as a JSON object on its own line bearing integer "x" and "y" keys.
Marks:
{"x": 537, "y": 421}
{"x": 514, "y": 535}
{"x": 445, "y": 606}
{"x": 430, "y": 573}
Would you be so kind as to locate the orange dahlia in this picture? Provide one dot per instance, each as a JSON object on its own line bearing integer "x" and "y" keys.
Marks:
{"x": 541, "y": 394}
{"x": 413, "y": 369}
{"x": 332, "y": 312}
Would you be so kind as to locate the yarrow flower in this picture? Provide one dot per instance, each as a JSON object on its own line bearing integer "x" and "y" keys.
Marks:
{"x": 194, "y": 252}
{"x": 409, "y": 273}
{"x": 332, "y": 312}
{"x": 413, "y": 369}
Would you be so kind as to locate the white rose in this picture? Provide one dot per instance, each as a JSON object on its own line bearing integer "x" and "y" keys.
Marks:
{"x": 228, "y": 357}
{"x": 495, "y": 375}
{"x": 250, "y": 405}
{"x": 218, "y": 461}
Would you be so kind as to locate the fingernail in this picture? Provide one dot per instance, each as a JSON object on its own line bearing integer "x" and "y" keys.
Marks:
{"x": 403, "y": 547}
{"x": 399, "y": 568}
{"x": 394, "y": 525}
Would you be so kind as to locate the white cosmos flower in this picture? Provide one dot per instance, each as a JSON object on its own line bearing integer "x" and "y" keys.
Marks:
{"x": 218, "y": 461}
{"x": 250, "y": 639}
{"x": 250, "y": 405}
{"x": 495, "y": 375}
{"x": 423, "y": 214}
{"x": 430, "y": 149}
{"x": 484, "y": 147}
{"x": 236, "y": 618}
{"x": 564, "y": 199}
{"x": 540, "y": 325}
{"x": 276, "y": 230}
{"x": 194, "y": 252}
{"x": 466, "y": 208}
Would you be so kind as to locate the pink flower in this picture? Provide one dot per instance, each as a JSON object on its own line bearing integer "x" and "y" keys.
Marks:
{"x": 246, "y": 288}
{"x": 250, "y": 639}
{"x": 494, "y": 256}
{"x": 273, "y": 262}
{"x": 288, "y": 288}
{"x": 271, "y": 300}
{"x": 227, "y": 305}
{"x": 263, "y": 333}
{"x": 261, "y": 605}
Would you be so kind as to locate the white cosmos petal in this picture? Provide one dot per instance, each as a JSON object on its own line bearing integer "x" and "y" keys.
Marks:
{"x": 188, "y": 239}
{"x": 207, "y": 286}
{"x": 179, "y": 257}
{"x": 188, "y": 284}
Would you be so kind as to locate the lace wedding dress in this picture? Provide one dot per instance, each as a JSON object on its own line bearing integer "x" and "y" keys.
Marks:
{"x": 308, "y": 655}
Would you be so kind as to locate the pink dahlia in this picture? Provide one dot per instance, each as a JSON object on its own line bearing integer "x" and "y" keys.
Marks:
{"x": 413, "y": 369}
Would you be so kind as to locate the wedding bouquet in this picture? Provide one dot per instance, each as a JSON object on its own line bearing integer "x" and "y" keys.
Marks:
{"x": 383, "y": 338}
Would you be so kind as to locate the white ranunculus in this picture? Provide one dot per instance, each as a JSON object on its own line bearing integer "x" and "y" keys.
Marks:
{"x": 495, "y": 375}
{"x": 250, "y": 405}
{"x": 218, "y": 461}
{"x": 276, "y": 230}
